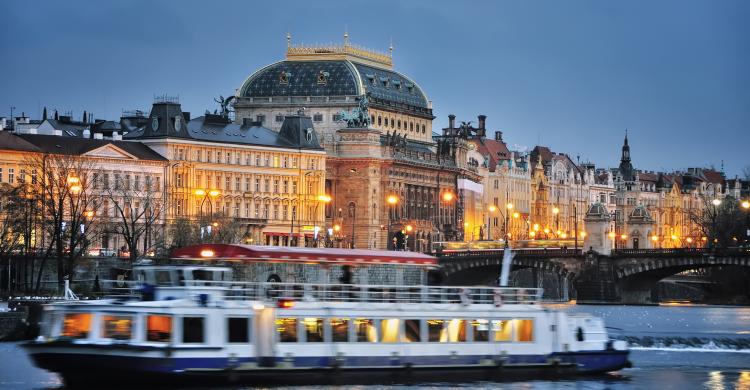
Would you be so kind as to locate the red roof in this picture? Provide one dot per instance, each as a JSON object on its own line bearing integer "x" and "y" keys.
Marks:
{"x": 496, "y": 150}
{"x": 237, "y": 252}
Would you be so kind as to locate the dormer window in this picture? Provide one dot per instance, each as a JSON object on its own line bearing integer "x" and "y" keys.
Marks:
{"x": 397, "y": 84}
{"x": 284, "y": 77}
{"x": 322, "y": 78}
{"x": 384, "y": 81}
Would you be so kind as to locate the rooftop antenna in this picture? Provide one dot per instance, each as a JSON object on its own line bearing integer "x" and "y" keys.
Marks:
{"x": 288, "y": 39}
{"x": 390, "y": 48}
{"x": 346, "y": 35}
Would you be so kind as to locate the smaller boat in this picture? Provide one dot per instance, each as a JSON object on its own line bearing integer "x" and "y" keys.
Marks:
{"x": 195, "y": 324}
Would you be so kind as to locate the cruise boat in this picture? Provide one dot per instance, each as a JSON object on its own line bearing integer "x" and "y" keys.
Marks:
{"x": 194, "y": 322}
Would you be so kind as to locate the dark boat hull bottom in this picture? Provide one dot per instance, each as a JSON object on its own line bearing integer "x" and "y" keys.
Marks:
{"x": 95, "y": 371}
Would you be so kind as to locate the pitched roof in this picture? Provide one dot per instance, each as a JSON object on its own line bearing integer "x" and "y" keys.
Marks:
{"x": 77, "y": 146}
{"x": 495, "y": 150}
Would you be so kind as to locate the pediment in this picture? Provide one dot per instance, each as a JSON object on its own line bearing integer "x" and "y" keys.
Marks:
{"x": 110, "y": 151}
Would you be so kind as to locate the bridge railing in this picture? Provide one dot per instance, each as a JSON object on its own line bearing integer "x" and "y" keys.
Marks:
{"x": 516, "y": 252}
{"x": 732, "y": 251}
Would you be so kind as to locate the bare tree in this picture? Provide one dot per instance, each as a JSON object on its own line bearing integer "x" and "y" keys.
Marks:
{"x": 720, "y": 221}
{"x": 11, "y": 238}
{"x": 61, "y": 186}
{"x": 184, "y": 232}
{"x": 139, "y": 211}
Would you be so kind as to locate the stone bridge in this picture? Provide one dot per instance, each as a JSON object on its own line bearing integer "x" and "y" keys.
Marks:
{"x": 627, "y": 275}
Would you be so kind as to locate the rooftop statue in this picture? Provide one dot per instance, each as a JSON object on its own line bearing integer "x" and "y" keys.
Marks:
{"x": 359, "y": 116}
{"x": 224, "y": 103}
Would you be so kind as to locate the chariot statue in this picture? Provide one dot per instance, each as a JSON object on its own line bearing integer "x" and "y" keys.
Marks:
{"x": 359, "y": 116}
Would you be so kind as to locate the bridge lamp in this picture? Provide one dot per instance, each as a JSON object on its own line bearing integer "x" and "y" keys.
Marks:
{"x": 745, "y": 204}
{"x": 624, "y": 236}
{"x": 716, "y": 202}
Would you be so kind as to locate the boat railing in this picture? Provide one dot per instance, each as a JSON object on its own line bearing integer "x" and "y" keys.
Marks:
{"x": 271, "y": 291}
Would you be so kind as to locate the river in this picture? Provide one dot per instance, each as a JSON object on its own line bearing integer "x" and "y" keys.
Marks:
{"x": 674, "y": 347}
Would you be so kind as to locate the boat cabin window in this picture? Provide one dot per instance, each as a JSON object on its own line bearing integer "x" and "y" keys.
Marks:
{"x": 286, "y": 329}
{"x": 435, "y": 330}
{"x": 313, "y": 330}
{"x": 365, "y": 331}
{"x": 524, "y": 330}
{"x": 481, "y": 330}
{"x": 158, "y": 328}
{"x": 456, "y": 331}
{"x": 117, "y": 327}
{"x": 76, "y": 325}
{"x": 389, "y": 330}
{"x": 502, "y": 330}
{"x": 238, "y": 330}
{"x": 411, "y": 331}
{"x": 163, "y": 278}
{"x": 339, "y": 329}
{"x": 192, "y": 330}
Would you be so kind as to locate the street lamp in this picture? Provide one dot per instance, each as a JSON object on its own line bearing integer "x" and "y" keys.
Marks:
{"x": 491, "y": 209}
{"x": 716, "y": 202}
{"x": 409, "y": 229}
{"x": 321, "y": 199}
{"x": 392, "y": 201}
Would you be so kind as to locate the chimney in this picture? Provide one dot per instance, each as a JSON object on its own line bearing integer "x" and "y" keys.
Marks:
{"x": 186, "y": 116}
{"x": 116, "y": 136}
{"x": 499, "y": 136}
{"x": 98, "y": 136}
{"x": 482, "y": 121}
{"x": 451, "y": 121}
{"x": 86, "y": 133}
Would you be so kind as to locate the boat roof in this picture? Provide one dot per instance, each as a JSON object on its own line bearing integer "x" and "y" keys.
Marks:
{"x": 252, "y": 253}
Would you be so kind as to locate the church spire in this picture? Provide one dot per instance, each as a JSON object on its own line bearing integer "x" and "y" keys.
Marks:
{"x": 625, "y": 149}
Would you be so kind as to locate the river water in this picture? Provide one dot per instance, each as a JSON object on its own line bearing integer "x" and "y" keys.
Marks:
{"x": 674, "y": 347}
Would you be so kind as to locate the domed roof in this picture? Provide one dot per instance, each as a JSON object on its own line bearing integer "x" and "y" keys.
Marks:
{"x": 333, "y": 78}
{"x": 640, "y": 213}
{"x": 597, "y": 211}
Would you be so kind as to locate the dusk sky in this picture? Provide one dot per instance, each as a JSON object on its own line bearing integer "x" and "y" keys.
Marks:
{"x": 571, "y": 75}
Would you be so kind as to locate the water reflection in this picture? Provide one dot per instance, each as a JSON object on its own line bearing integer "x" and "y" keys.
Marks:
{"x": 743, "y": 382}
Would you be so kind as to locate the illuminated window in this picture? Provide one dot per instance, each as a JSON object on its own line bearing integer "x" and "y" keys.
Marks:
{"x": 524, "y": 330}
{"x": 502, "y": 329}
{"x": 339, "y": 329}
{"x": 159, "y": 328}
{"x": 365, "y": 330}
{"x": 411, "y": 332}
{"x": 389, "y": 330}
{"x": 192, "y": 330}
{"x": 456, "y": 331}
{"x": 313, "y": 330}
{"x": 238, "y": 330}
{"x": 286, "y": 329}
{"x": 76, "y": 325}
{"x": 117, "y": 327}
{"x": 481, "y": 329}
{"x": 435, "y": 330}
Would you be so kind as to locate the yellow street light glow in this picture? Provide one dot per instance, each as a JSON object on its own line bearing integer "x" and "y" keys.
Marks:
{"x": 214, "y": 193}
{"x": 703, "y": 238}
{"x": 745, "y": 204}
{"x": 564, "y": 235}
{"x": 493, "y": 208}
{"x": 689, "y": 239}
{"x": 674, "y": 237}
{"x": 583, "y": 234}
{"x": 654, "y": 238}
{"x": 73, "y": 180}
{"x": 546, "y": 230}
{"x": 555, "y": 210}
{"x": 207, "y": 253}
{"x": 392, "y": 199}
{"x": 447, "y": 196}
{"x": 532, "y": 234}
{"x": 89, "y": 214}
{"x": 716, "y": 202}
{"x": 611, "y": 234}
{"x": 509, "y": 206}
{"x": 509, "y": 235}
{"x": 559, "y": 232}
{"x": 324, "y": 198}
{"x": 516, "y": 215}
{"x": 336, "y": 228}
{"x": 75, "y": 188}
{"x": 215, "y": 224}
{"x": 200, "y": 192}
{"x": 466, "y": 224}
{"x": 409, "y": 228}
{"x": 536, "y": 227}
{"x": 624, "y": 236}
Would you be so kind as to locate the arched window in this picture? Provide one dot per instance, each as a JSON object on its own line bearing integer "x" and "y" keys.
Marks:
{"x": 393, "y": 123}
{"x": 422, "y": 129}
{"x": 399, "y": 124}
{"x": 372, "y": 119}
{"x": 379, "y": 120}
{"x": 411, "y": 126}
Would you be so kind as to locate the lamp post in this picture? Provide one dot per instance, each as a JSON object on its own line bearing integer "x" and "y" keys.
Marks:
{"x": 392, "y": 201}
{"x": 508, "y": 208}
{"x": 491, "y": 210}
{"x": 715, "y": 202}
{"x": 207, "y": 195}
{"x": 325, "y": 199}
{"x": 408, "y": 229}
{"x": 746, "y": 208}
